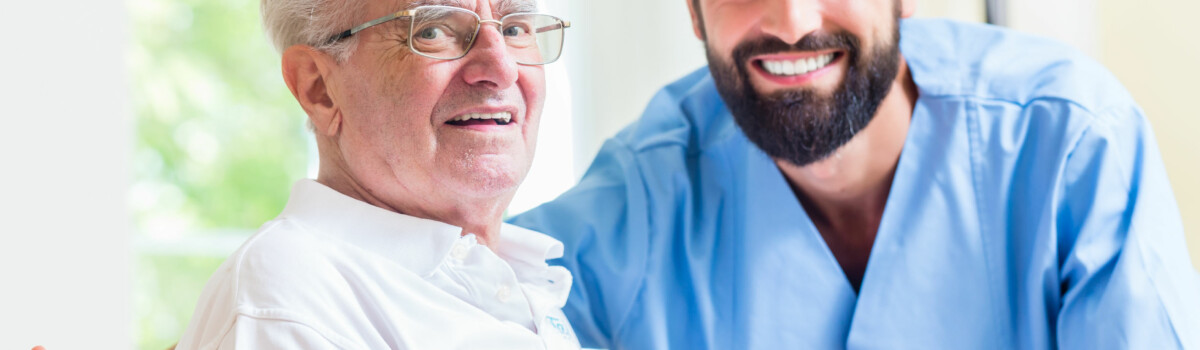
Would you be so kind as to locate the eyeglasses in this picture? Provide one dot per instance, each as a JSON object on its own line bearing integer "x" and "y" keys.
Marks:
{"x": 447, "y": 33}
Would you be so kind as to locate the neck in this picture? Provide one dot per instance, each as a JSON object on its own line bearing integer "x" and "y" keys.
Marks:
{"x": 846, "y": 192}
{"x": 482, "y": 217}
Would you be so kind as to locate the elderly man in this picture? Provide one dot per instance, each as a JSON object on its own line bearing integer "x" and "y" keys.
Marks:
{"x": 425, "y": 115}
{"x": 840, "y": 178}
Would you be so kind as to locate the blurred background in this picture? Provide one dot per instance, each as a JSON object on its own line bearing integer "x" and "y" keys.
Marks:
{"x": 149, "y": 138}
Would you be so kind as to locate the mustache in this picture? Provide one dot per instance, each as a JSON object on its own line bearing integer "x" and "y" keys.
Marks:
{"x": 815, "y": 41}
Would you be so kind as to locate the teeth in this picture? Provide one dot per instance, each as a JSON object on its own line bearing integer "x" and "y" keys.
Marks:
{"x": 789, "y": 68}
{"x": 773, "y": 66}
{"x": 797, "y": 67}
{"x": 502, "y": 116}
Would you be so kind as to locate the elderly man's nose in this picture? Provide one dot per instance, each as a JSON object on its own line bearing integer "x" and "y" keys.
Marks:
{"x": 488, "y": 62}
{"x": 790, "y": 20}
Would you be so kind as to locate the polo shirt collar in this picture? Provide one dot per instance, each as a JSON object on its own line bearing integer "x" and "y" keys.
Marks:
{"x": 418, "y": 244}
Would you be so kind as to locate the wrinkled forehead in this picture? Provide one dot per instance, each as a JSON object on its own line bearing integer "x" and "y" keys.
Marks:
{"x": 499, "y": 7}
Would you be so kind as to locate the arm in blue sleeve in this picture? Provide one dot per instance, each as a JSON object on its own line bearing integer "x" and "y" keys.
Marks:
{"x": 1124, "y": 268}
{"x": 603, "y": 224}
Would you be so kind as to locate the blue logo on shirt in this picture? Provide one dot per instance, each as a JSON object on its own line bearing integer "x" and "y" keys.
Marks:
{"x": 557, "y": 324}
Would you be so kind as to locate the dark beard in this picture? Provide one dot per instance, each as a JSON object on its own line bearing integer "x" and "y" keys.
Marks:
{"x": 803, "y": 126}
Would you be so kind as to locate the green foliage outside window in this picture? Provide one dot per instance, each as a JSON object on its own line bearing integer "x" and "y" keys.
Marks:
{"x": 219, "y": 143}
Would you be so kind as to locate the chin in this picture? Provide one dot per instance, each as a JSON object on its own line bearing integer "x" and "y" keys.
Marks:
{"x": 488, "y": 179}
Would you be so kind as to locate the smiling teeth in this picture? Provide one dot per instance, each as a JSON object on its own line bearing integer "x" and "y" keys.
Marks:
{"x": 797, "y": 67}
{"x": 501, "y": 116}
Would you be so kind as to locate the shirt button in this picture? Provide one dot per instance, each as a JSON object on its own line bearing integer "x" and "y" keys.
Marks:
{"x": 503, "y": 293}
{"x": 459, "y": 252}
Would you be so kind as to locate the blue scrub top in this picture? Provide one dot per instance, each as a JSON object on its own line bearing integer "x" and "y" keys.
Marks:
{"x": 1029, "y": 210}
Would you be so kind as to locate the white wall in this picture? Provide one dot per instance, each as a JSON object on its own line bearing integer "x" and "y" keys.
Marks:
{"x": 1071, "y": 21}
{"x": 64, "y": 265}
{"x": 963, "y": 10}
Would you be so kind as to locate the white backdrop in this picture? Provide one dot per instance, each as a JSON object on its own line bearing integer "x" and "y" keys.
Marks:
{"x": 64, "y": 247}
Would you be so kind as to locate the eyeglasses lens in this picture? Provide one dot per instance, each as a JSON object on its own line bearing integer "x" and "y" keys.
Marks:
{"x": 447, "y": 33}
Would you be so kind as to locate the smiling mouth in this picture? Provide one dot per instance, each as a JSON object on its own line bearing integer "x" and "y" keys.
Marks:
{"x": 797, "y": 67}
{"x": 498, "y": 118}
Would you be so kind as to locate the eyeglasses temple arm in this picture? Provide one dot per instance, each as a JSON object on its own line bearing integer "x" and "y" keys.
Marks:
{"x": 563, "y": 25}
{"x": 372, "y": 23}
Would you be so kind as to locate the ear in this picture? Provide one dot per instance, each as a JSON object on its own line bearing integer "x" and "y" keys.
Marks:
{"x": 907, "y": 8}
{"x": 697, "y": 21}
{"x": 305, "y": 70}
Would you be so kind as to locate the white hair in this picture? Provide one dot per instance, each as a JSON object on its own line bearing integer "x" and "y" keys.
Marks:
{"x": 312, "y": 23}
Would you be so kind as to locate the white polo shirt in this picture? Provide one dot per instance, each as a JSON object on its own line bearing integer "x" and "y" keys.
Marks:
{"x": 333, "y": 272}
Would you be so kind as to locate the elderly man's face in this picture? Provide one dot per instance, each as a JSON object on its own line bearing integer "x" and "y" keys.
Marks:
{"x": 401, "y": 134}
{"x": 801, "y": 77}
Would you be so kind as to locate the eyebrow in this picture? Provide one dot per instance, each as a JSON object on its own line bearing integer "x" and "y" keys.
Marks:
{"x": 515, "y": 6}
{"x": 454, "y": 3}
{"x": 503, "y": 7}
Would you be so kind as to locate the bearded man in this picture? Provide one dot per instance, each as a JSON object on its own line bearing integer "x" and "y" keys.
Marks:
{"x": 844, "y": 177}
